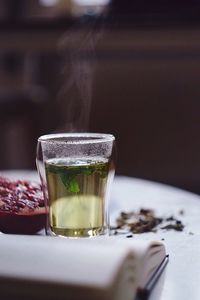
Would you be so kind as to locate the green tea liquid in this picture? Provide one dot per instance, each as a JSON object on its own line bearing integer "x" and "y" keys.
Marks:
{"x": 76, "y": 189}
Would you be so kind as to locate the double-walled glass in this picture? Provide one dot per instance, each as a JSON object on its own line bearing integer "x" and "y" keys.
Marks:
{"x": 76, "y": 170}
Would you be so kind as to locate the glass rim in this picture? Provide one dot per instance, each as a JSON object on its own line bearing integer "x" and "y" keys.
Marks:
{"x": 90, "y": 138}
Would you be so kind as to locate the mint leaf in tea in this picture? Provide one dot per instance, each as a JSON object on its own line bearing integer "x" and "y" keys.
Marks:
{"x": 76, "y": 189}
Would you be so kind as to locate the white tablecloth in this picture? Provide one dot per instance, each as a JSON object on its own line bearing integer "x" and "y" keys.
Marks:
{"x": 181, "y": 280}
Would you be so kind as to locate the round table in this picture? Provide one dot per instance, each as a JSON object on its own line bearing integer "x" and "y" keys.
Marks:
{"x": 182, "y": 275}
{"x": 181, "y": 279}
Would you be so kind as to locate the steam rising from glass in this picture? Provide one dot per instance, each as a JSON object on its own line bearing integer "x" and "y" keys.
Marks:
{"x": 77, "y": 48}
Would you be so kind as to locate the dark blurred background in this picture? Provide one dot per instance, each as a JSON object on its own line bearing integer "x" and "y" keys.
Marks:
{"x": 131, "y": 68}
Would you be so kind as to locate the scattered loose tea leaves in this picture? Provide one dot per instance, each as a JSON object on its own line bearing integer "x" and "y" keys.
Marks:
{"x": 145, "y": 220}
{"x": 129, "y": 236}
{"x": 181, "y": 212}
{"x": 178, "y": 226}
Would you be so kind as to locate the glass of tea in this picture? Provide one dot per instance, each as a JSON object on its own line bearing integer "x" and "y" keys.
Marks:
{"x": 76, "y": 170}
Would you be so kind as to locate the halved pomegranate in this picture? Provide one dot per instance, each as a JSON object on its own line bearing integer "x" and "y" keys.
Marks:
{"x": 22, "y": 209}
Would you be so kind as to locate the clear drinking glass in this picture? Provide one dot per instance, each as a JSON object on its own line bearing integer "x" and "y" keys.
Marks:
{"x": 76, "y": 170}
